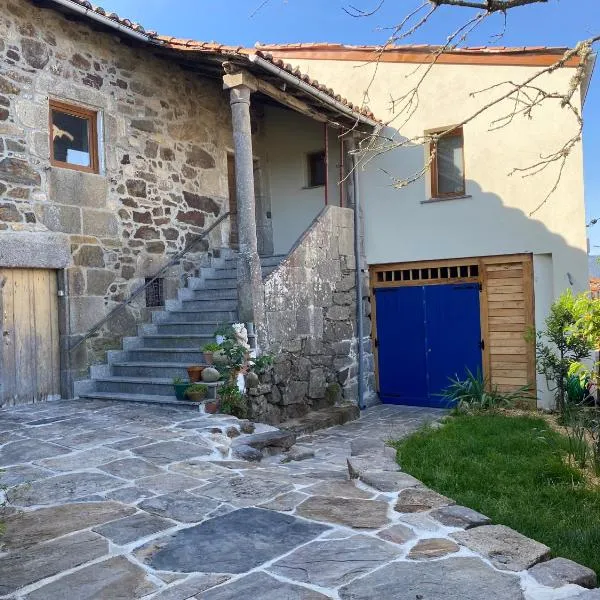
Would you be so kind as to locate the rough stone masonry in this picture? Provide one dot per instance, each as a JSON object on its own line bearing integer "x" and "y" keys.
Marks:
{"x": 162, "y": 179}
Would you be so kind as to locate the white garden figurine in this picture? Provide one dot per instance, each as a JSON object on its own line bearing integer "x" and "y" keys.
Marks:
{"x": 241, "y": 334}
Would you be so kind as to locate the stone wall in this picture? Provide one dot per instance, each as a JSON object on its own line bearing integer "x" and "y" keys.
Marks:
{"x": 164, "y": 134}
{"x": 310, "y": 306}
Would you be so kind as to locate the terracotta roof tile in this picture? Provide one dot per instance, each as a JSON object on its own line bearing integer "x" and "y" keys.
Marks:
{"x": 115, "y": 17}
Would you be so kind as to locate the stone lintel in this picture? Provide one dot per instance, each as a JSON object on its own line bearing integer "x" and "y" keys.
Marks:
{"x": 39, "y": 250}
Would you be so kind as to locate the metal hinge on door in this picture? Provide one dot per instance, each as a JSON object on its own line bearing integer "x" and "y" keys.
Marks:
{"x": 482, "y": 344}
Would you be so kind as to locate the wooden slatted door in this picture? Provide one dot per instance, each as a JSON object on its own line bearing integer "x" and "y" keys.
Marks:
{"x": 508, "y": 291}
{"x": 29, "y": 357}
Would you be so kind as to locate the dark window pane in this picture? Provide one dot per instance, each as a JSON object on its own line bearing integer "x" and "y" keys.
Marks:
{"x": 316, "y": 169}
{"x": 70, "y": 139}
{"x": 450, "y": 165}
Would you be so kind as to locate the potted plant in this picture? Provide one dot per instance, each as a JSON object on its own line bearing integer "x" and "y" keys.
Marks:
{"x": 195, "y": 373}
{"x": 232, "y": 401}
{"x": 196, "y": 392}
{"x": 209, "y": 349}
{"x": 180, "y": 387}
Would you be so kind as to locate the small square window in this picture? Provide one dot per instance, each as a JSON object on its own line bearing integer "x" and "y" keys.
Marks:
{"x": 155, "y": 294}
{"x": 316, "y": 169}
{"x": 73, "y": 137}
{"x": 448, "y": 165}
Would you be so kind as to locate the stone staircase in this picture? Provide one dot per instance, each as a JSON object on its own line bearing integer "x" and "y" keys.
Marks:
{"x": 144, "y": 369}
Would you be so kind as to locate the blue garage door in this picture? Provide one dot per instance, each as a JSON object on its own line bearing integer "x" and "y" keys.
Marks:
{"x": 426, "y": 335}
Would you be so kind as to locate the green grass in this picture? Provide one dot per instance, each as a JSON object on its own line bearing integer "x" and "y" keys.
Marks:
{"x": 511, "y": 469}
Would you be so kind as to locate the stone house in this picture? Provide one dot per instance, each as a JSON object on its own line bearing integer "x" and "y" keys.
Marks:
{"x": 152, "y": 189}
{"x": 125, "y": 155}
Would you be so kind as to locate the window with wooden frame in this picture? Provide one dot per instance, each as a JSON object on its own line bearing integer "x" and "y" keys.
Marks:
{"x": 448, "y": 165}
{"x": 73, "y": 137}
{"x": 316, "y": 168}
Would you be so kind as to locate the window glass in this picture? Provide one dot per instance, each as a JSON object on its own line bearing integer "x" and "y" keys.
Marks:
{"x": 316, "y": 169}
{"x": 450, "y": 165}
{"x": 71, "y": 138}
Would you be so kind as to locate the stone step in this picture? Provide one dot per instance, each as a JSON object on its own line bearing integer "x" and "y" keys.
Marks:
{"x": 202, "y": 305}
{"x": 199, "y": 284}
{"x": 162, "y": 370}
{"x": 202, "y": 294}
{"x": 190, "y": 356}
{"x": 194, "y": 316}
{"x": 322, "y": 419}
{"x": 154, "y": 386}
{"x": 211, "y": 283}
{"x": 230, "y": 271}
{"x": 265, "y": 261}
{"x": 183, "y": 327}
{"x": 178, "y": 341}
{"x": 142, "y": 399}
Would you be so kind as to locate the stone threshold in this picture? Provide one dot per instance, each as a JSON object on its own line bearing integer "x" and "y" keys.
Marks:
{"x": 322, "y": 419}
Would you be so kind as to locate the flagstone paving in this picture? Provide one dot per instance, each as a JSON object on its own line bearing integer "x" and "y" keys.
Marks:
{"x": 126, "y": 502}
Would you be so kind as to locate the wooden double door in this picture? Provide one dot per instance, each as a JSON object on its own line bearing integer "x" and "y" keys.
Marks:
{"x": 29, "y": 355}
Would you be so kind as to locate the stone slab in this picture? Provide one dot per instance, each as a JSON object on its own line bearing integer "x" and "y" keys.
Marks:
{"x": 352, "y": 512}
{"x": 397, "y": 534}
{"x": 202, "y": 469}
{"x": 24, "y": 451}
{"x": 66, "y": 487}
{"x": 561, "y": 571}
{"x": 245, "y": 452}
{"x": 285, "y": 502}
{"x": 247, "y": 538}
{"x": 135, "y": 527}
{"x": 281, "y": 439}
{"x": 244, "y": 491}
{"x": 386, "y": 481}
{"x": 261, "y": 586}
{"x": 357, "y": 465}
{"x": 366, "y": 446}
{"x": 25, "y": 529}
{"x": 12, "y": 476}
{"x": 164, "y": 453}
{"x": 459, "y": 516}
{"x": 432, "y": 548}
{"x": 75, "y": 461}
{"x": 414, "y": 500}
{"x": 130, "y": 468}
{"x": 180, "y": 506}
{"x": 450, "y": 579}
{"x": 340, "y": 489}
{"x": 168, "y": 482}
{"x": 191, "y": 587}
{"x": 335, "y": 562}
{"x": 114, "y": 579}
{"x": 506, "y": 548}
{"x": 26, "y": 566}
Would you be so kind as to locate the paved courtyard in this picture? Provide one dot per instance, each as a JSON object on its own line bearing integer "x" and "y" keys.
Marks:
{"x": 118, "y": 502}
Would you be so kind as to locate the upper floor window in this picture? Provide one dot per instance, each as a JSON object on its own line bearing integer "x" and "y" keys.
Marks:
{"x": 448, "y": 165}
{"x": 73, "y": 137}
{"x": 316, "y": 168}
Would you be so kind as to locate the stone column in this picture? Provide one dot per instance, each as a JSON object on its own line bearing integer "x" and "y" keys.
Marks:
{"x": 250, "y": 286}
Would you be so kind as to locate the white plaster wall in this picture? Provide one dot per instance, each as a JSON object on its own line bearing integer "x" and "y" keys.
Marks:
{"x": 496, "y": 217}
{"x": 286, "y": 139}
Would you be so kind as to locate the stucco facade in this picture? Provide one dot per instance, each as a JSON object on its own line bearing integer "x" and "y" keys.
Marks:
{"x": 501, "y": 214}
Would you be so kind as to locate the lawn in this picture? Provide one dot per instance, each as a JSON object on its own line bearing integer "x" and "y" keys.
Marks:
{"x": 512, "y": 470}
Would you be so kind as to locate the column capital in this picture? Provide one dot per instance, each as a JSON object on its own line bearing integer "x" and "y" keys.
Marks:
{"x": 240, "y": 79}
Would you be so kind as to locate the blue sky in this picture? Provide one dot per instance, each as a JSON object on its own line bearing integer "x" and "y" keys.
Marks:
{"x": 557, "y": 23}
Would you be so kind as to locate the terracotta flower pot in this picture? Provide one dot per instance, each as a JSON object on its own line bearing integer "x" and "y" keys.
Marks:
{"x": 208, "y": 358}
{"x": 195, "y": 373}
{"x": 211, "y": 406}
